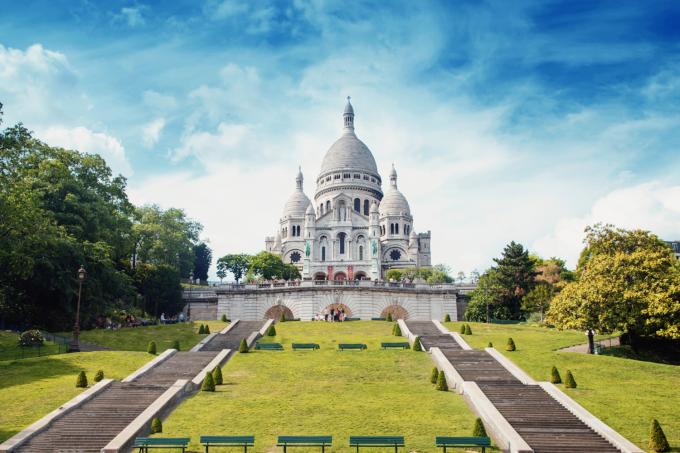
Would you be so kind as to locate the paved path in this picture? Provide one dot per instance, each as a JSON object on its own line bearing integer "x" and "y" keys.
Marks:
{"x": 540, "y": 420}
{"x": 601, "y": 344}
{"x": 88, "y": 428}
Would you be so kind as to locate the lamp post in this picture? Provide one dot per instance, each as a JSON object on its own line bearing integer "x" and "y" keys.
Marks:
{"x": 75, "y": 344}
{"x": 191, "y": 282}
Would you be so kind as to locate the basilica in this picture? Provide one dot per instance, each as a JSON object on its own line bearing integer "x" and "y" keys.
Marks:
{"x": 352, "y": 230}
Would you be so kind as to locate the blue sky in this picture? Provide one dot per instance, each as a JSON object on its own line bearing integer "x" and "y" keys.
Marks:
{"x": 506, "y": 120}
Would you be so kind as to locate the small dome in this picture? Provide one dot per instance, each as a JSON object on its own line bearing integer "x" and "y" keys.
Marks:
{"x": 348, "y": 108}
{"x": 348, "y": 152}
{"x": 310, "y": 209}
{"x": 374, "y": 207}
{"x": 297, "y": 204}
{"x": 394, "y": 203}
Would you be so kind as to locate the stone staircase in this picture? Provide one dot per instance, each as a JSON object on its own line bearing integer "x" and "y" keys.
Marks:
{"x": 89, "y": 427}
{"x": 543, "y": 423}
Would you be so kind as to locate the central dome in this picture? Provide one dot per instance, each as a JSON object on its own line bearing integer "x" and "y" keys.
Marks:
{"x": 348, "y": 152}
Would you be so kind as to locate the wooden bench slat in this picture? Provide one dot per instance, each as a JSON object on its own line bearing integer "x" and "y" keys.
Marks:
{"x": 268, "y": 346}
{"x": 306, "y": 346}
{"x": 401, "y": 344}
{"x": 305, "y": 440}
{"x": 463, "y": 441}
{"x": 360, "y": 346}
{"x": 228, "y": 440}
{"x": 376, "y": 441}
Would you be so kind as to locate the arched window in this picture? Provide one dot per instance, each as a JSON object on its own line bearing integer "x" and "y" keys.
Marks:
{"x": 323, "y": 253}
{"x": 396, "y": 228}
{"x": 366, "y": 207}
{"x": 342, "y": 214}
{"x": 357, "y": 205}
{"x": 361, "y": 253}
{"x": 341, "y": 237}
{"x": 391, "y": 228}
{"x": 328, "y": 205}
{"x": 321, "y": 209}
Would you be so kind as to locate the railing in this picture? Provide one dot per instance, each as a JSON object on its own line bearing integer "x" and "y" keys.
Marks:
{"x": 211, "y": 292}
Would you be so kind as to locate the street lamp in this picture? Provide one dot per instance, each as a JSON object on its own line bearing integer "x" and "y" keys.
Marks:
{"x": 191, "y": 282}
{"x": 75, "y": 344}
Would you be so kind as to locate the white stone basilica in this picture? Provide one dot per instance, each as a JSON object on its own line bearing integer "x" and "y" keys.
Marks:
{"x": 352, "y": 230}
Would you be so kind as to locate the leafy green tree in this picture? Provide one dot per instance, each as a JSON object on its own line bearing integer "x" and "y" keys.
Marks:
{"x": 159, "y": 287}
{"x": 290, "y": 272}
{"x": 221, "y": 273}
{"x": 394, "y": 274}
{"x": 202, "y": 261}
{"x": 538, "y": 299}
{"x": 440, "y": 274}
{"x": 627, "y": 281}
{"x": 237, "y": 264}
{"x": 485, "y": 300}
{"x": 267, "y": 264}
{"x": 515, "y": 274}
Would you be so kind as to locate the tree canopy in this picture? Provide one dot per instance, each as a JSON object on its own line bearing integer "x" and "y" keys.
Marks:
{"x": 237, "y": 264}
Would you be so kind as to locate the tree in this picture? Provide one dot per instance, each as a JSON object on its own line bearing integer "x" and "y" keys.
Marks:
{"x": 474, "y": 276}
{"x": 538, "y": 299}
{"x": 202, "y": 261}
{"x": 290, "y": 272}
{"x": 442, "y": 385}
{"x": 485, "y": 300}
{"x": 237, "y": 264}
{"x": 657, "y": 438}
{"x": 221, "y": 274}
{"x": 208, "y": 383}
{"x": 478, "y": 430}
{"x": 268, "y": 265}
{"x": 516, "y": 274}
{"x": 627, "y": 281}
{"x": 440, "y": 274}
{"x": 394, "y": 275}
{"x": 460, "y": 277}
{"x": 159, "y": 287}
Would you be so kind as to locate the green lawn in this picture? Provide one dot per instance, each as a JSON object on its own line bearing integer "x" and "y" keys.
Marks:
{"x": 138, "y": 338}
{"x": 322, "y": 392}
{"x": 626, "y": 394}
{"x": 31, "y": 388}
{"x": 9, "y": 350}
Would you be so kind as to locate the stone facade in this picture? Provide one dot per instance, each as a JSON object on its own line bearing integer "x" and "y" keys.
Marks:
{"x": 352, "y": 230}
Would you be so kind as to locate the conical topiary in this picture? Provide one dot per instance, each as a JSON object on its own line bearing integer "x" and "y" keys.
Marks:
{"x": 479, "y": 430}
{"x": 468, "y": 331}
{"x": 175, "y": 345}
{"x": 282, "y": 318}
{"x": 243, "y": 347}
{"x": 389, "y": 317}
{"x": 223, "y": 318}
{"x": 434, "y": 375}
{"x": 201, "y": 329}
{"x": 657, "y": 438}
{"x": 156, "y": 426}
{"x": 490, "y": 345}
{"x": 416, "y": 344}
{"x": 217, "y": 375}
{"x": 396, "y": 330}
{"x": 555, "y": 377}
{"x": 208, "y": 383}
{"x": 271, "y": 332}
{"x": 569, "y": 381}
{"x": 462, "y": 329}
{"x": 99, "y": 376}
{"x": 510, "y": 346}
{"x": 441, "y": 382}
{"x": 206, "y": 330}
{"x": 447, "y": 318}
{"x": 151, "y": 349}
{"x": 81, "y": 380}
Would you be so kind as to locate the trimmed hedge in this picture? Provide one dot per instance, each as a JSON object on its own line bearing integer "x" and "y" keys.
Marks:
{"x": 478, "y": 430}
{"x": 201, "y": 329}
{"x": 175, "y": 345}
{"x": 441, "y": 382}
{"x": 434, "y": 375}
{"x": 81, "y": 380}
{"x": 510, "y": 346}
{"x": 208, "y": 383}
{"x": 569, "y": 381}
{"x": 223, "y": 318}
{"x": 657, "y": 438}
{"x": 416, "y": 344}
{"x": 468, "y": 331}
{"x": 156, "y": 426}
{"x": 206, "y": 330}
{"x": 217, "y": 375}
{"x": 243, "y": 347}
{"x": 271, "y": 331}
{"x": 151, "y": 349}
{"x": 282, "y": 318}
{"x": 99, "y": 376}
{"x": 396, "y": 330}
{"x": 447, "y": 318}
{"x": 555, "y": 377}
{"x": 462, "y": 329}
{"x": 490, "y": 345}
{"x": 389, "y": 317}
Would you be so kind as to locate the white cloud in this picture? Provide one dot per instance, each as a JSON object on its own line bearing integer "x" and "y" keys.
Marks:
{"x": 650, "y": 206}
{"x": 159, "y": 102}
{"x": 229, "y": 141}
{"x": 84, "y": 140}
{"x": 151, "y": 132}
{"x": 133, "y": 16}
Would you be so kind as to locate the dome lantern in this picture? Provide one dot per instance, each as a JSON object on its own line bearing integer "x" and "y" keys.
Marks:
{"x": 348, "y": 115}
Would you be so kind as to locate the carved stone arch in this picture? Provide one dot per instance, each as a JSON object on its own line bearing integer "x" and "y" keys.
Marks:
{"x": 389, "y": 304}
{"x": 276, "y": 306}
{"x": 337, "y": 298}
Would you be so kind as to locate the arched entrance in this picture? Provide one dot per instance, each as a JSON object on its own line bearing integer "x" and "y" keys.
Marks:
{"x": 335, "y": 309}
{"x": 397, "y": 312}
{"x": 275, "y": 311}
{"x": 319, "y": 276}
{"x": 339, "y": 276}
{"x": 360, "y": 276}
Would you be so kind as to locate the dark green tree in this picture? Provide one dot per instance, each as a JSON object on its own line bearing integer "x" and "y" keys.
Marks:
{"x": 657, "y": 438}
{"x": 434, "y": 375}
{"x": 159, "y": 287}
{"x": 98, "y": 376}
{"x": 569, "y": 381}
{"x": 441, "y": 382}
{"x": 156, "y": 426}
{"x": 478, "y": 430}
{"x": 237, "y": 264}
{"x": 485, "y": 300}
{"x": 151, "y": 349}
{"x": 468, "y": 330}
{"x": 516, "y": 276}
{"x": 555, "y": 377}
{"x": 510, "y": 345}
{"x": 217, "y": 375}
{"x": 208, "y": 383}
{"x": 81, "y": 380}
{"x": 268, "y": 265}
{"x": 396, "y": 330}
{"x": 271, "y": 331}
{"x": 389, "y": 317}
{"x": 243, "y": 347}
{"x": 447, "y": 318}
{"x": 202, "y": 261}
{"x": 416, "y": 344}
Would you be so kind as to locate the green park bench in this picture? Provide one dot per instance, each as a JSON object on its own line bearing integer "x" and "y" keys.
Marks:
{"x": 463, "y": 442}
{"x": 352, "y": 319}
{"x": 297, "y": 346}
{"x": 400, "y": 344}
{"x": 268, "y": 346}
{"x": 378, "y": 319}
{"x": 377, "y": 441}
{"x": 358, "y": 346}
{"x": 143, "y": 444}
{"x": 227, "y": 441}
{"x": 304, "y": 441}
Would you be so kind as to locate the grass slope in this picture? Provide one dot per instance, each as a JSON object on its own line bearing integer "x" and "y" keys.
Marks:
{"x": 626, "y": 394}
{"x": 372, "y": 392}
{"x": 138, "y": 338}
{"x": 9, "y": 349}
{"x": 31, "y": 388}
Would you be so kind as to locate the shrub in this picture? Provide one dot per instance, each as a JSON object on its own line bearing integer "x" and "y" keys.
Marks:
{"x": 447, "y": 318}
{"x": 441, "y": 382}
{"x": 31, "y": 338}
{"x": 468, "y": 331}
{"x": 416, "y": 344}
{"x": 223, "y": 318}
{"x": 271, "y": 332}
{"x": 99, "y": 376}
{"x": 175, "y": 345}
{"x": 555, "y": 377}
{"x": 151, "y": 349}
{"x": 243, "y": 347}
{"x": 510, "y": 346}
{"x": 479, "y": 430}
{"x": 81, "y": 380}
{"x": 201, "y": 329}
{"x": 490, "y": 345}
{"x": 208, "y": 383}
{"x": 396, "y": 330}
{"x": 282, "y": 318}
{"x": 434, "y": 375}
{"x": 569, "y": 381}
{"x": 657, "y": 438}
{"x": 206, "y": 329}
{"x": 462, "y": 329}
{"x": 156, "y": 426}
{"x": 388, "y": 318}
{"x": 217, "y": 375}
